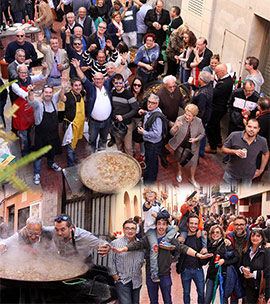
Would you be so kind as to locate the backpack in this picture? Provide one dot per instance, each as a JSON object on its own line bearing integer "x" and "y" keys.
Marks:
{"x": 137, "y": 137}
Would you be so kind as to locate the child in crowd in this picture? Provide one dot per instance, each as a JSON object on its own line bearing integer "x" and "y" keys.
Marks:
{"x": 191, "y": 206}
{"x": 151, "y": 210}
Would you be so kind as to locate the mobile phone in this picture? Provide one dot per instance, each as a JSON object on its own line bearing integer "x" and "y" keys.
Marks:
{"x": 127, "y": 3}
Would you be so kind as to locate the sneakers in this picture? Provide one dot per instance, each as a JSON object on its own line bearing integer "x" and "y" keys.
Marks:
{"x": 166, "y": 246}
{"x": 36, "y": 179}
{"x": 155, "y": 278}
{"x": 179, "y": 178}
{"x": 55, "y": 167}
{"x": 195, "y": 184}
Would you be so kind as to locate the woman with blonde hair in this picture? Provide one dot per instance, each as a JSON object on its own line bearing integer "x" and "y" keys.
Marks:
{"x": 174, "y": 48}
{"x": 187, "y": 133}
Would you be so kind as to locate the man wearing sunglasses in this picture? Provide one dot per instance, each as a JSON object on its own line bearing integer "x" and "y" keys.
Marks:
{"x": 75, "y": 52}
{"x": 124, "y": 109}
{"x": 21, "y": 43}
{"x": 32, "y": 238}
{"x": 126, "y": 268}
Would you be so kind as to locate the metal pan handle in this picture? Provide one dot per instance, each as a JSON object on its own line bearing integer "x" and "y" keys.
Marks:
{"x": 75, "y": 281}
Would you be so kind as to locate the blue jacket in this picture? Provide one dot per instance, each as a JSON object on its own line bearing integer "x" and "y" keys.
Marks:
{"x": 92, "y": 94}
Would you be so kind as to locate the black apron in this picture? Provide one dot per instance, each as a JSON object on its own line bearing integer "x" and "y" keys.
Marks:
{"x": 46, "y": 133}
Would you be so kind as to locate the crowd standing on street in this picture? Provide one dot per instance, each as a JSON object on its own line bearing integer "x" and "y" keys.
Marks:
{"x": 98, "y": 41}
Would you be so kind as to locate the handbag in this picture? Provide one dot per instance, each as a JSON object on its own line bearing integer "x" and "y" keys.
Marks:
{"x": 118, "y": 129}
{"x": 136, "y": 136}
{"x": 261, "y": 299}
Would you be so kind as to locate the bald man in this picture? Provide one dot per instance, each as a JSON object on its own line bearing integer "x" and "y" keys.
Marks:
{"x": 222, "y": 92}
{"x": 85, "y": 22}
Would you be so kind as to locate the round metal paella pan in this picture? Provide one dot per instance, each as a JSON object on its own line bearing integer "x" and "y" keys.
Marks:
{"x": 110, "y": 172}
{"x": 24, "y": 269}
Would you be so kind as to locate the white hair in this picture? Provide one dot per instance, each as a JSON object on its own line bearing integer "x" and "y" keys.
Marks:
{"x": 34, "y": 220}
{"x": 110, "y": 63}
{"x": 21, "y": 66}
{"x": 19, "y": 31}
{"x": 168, "y": 78}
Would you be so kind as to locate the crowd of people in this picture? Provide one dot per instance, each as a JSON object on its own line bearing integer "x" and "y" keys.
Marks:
{"x": 97, "y": 42}
{"x": 234, "y": 247}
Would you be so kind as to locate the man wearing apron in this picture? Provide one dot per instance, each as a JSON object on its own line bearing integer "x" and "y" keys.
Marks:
{"x": 46, "y": 126}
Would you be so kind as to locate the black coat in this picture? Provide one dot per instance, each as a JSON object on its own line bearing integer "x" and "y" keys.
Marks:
{"x": 150, "y": 17}
{"x": 226, "y": 252}
{"x": 93, "y": 39}
{"x": 222, "y": 92}
{"x": 257, "y": 263}
{"x": 87, "y": 26}
{"x": 264, "y": 121}
{"x": 206, "y": 59}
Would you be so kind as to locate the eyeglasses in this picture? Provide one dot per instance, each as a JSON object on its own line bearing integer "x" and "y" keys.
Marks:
{"x": 130, "y": 229}
{"x": 60, "y": 218}
{"x": 247, "y": 63}
{"x": 239, "y": 225}
{"x": 55, "y": 59}
{"x": 99, "y": 79}
{"x": 22, "y": 72}
{"x": 152, "y": 102}
{"x": 33, "y": 233}
{"x": 77, "y": 43}
{"x": 103, "y": 27}
{"x": 215, "y": 232}
{"x": 118, "y": 82}
{"x": 20, "y": 36}
{"x": 137, "y": 85}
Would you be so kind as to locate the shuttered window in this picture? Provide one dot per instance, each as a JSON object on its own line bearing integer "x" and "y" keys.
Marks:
{"x": 196, "y": 7}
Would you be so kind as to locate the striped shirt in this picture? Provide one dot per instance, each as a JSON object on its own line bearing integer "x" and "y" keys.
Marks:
{"x": 127, "y": 265}
{"x": 95, "y": 66}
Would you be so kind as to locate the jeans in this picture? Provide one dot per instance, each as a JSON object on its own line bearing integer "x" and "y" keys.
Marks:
{"x": 228, "y": 179}
{"x": 184, "y": 74}
{"x": 202, "y": 146}
{"x": 209, "y": 291}
{"x": 38, "y": 163}
{"x": 165, "y": 285}
{"x": 101, "y": 128}
{"x": 153, "y": 242}
{"x": 71, "y": 155}
{"x": 152, "y": 152}
{"x": 197, "y": 276}
{"x": 126, "y": 294}
{"x": 53, "y": 81}
{"x": 24, "y": 141}
{"x": 47, "y": 33}
{"x": 140, "y": 39}
{"x": 19, "y": 16}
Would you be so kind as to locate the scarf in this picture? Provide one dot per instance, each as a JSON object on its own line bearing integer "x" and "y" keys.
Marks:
{"x": 119, "y": 26}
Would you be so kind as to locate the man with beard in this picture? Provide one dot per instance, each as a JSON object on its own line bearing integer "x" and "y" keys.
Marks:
{"x": 191, "y": 267}
{"x": 244, "y": 147}
{"x": 71, "y": 240}
{"x": 239, "y": 237}
{"x": 164, "y": 261}
{"x": 46, "y": 126}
